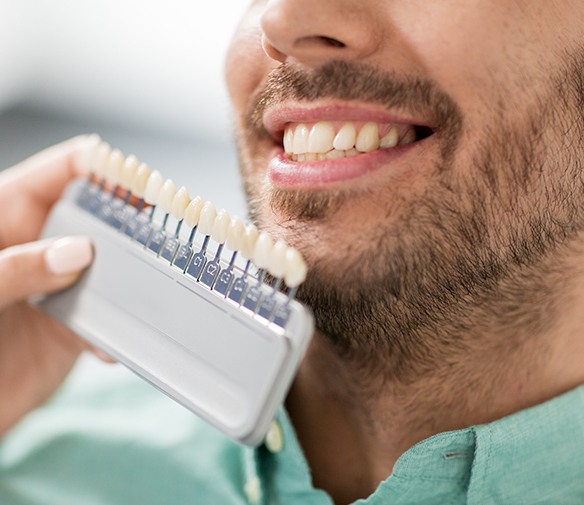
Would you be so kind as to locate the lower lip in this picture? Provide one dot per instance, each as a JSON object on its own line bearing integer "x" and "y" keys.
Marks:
{"x": 285, "y": 173}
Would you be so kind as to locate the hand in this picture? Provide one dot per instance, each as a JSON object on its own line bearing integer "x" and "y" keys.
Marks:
{"x": 36, "y": 352}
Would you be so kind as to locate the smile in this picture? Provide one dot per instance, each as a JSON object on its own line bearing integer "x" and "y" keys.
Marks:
{"x": 328, "y": 140}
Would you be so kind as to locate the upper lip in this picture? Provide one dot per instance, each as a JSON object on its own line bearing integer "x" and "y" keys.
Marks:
{"x": 276, "y": 118}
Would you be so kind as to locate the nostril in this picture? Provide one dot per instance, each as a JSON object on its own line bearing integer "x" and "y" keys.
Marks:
{"x": 332, "y": 42}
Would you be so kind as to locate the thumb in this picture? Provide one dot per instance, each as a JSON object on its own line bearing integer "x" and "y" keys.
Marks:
{"x": 41, "y": 267}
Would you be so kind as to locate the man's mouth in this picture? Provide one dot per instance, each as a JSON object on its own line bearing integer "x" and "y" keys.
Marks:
{"x": 332, "y": 140}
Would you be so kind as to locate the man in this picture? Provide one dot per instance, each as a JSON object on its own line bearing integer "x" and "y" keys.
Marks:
{"x": 426, "y": 159}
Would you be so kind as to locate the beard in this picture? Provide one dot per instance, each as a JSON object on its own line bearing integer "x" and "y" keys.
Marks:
{"x": 479, "y": 253}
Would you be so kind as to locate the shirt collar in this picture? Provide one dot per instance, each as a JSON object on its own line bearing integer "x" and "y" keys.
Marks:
{"x": 533, "y": 456}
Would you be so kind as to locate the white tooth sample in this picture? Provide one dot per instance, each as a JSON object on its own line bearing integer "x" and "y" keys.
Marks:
{"x": 335, "y": 154}
{"x": 221, "y": 227}
{"x": 207, "y": 219}
{"x": 346, "y": 137}
{"x": 262, "y": 254}
{"x": 193, "y": 212}
{"x": 250, "y": 237}
{"x": 300, "y": 143}
{"x": 235, "y": 234}
{"x": 113, "y": 168}
{"x": 100, "y": 159}
{"x": 390, "y": 139}
{"x": 278, "y": 262}
{"x": 409, "y": 137}
{"x": 368, "y": 138}
{"x": 320, "y": 139}
{"x": 166, "y": 196}
{"x": 153, "y": 186}
{"x": 140, "y": 180}
{"x": 84, "y": 157}
{"x": 180, "y": 202}
{"x": 128, "y": 172}
{"x": 288, "y": 140}
{"x": 295, "y": 268}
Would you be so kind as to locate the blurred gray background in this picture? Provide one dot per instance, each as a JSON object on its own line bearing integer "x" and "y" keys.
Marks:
{"x": 147, "y": 75}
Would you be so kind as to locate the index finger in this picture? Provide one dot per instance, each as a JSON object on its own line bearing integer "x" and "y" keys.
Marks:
{"x": 44, "y": 175}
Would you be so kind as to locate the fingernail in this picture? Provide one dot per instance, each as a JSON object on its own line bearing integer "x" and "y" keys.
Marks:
{"x": 68, "y": 255}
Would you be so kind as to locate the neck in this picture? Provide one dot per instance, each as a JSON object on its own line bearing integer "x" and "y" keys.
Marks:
{"x": 354, "y": 424}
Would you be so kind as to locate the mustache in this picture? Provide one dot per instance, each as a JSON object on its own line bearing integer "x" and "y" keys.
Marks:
{"x": 344, "y": 80}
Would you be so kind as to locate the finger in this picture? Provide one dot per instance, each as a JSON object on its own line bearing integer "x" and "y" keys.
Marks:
{"x": 44, "y": 175}
{"x": 41, "y": 267}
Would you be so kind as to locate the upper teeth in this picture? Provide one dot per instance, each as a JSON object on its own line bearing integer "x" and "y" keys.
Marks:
{"x": 323, "y": 142}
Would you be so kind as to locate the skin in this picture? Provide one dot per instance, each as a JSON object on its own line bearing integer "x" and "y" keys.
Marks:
{"x": 36, "y": 352}
{"x": 447, "y": 284}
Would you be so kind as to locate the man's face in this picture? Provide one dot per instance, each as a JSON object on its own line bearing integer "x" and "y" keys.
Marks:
{"x": 407, "y": 243}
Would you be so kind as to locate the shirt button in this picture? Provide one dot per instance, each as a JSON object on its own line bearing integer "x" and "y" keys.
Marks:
{"x": 274, "y": 438}
{"x": 252, "y": 490}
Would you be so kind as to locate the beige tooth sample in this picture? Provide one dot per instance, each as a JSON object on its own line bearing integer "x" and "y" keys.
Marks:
{"x": 207, "y": 219}
{"x": 166, "y": 196}
{"x": 193, "y": 212}
{"x": 320, "y": 139}
{"x": 300, "y": 143}
{"x": 278, "y": 262}
{"x": 140, "y": 180}
{"x": 295, "y": 268}
{"x": 248, "y": 242}
{"x": 351, "y": 152}
{"x": 128, "y": 172}
{"x": 346, "y": 137}
{"x": 180, "y": 202}
{"x": 113, "y": 167}
{"x": 335, "y": 154}
{"x": 221, "y": 227}
{"x": 390, "y": 139}
{"x": 235, "y": 234}
{"x": 288, "y": 140}
{"x": 262, "y": 254}
{"x": 153, "y": 186}
{"x": 368, "y": 138}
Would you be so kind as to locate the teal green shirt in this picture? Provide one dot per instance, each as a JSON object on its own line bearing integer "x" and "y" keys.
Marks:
{"x": 121, "y": 442}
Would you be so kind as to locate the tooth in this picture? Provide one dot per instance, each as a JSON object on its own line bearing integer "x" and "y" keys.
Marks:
{"x": 294, "y": 157}
{"x": 180, "y": 202}
{"x": 301, "y": 157}
{"x": 321, "y": 156}
{"x": 310, "y": 157}
{"x": 278, "y": 262}
{"x": 335, "y": 154}
{"x": 320, "y": 139}
{"x": 300, "y": 143}
{"x": 288, "y": 140}
{"x": 409, "y": 137}
{"x": 295, "y": 268}
{"x": 166, "y": 196}
{"x": 140, "y": 180}
{"x": 351, "y": 152}
{"x": 248, "y": 243}
{"x": 221, "y": 227}
{"x": 368, "y": 138}
{"x": 113, "y": 167}
{"x": 128, "y": 172}
{"x": 346, "y": 137}
{"x": 193, "y": 212}
{"x": 153, "y": 186}
{"x": 85, "y": 156}
{"x": 235, "y": 234}
{"x": 207, "y": 219}
{"x": 390, "y": 139}
{"x": 100, "y": 158}
{"x": 262, "y": 254}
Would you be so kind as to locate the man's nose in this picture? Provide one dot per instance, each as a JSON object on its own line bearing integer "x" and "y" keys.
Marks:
{"x": 314, "y": 31}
